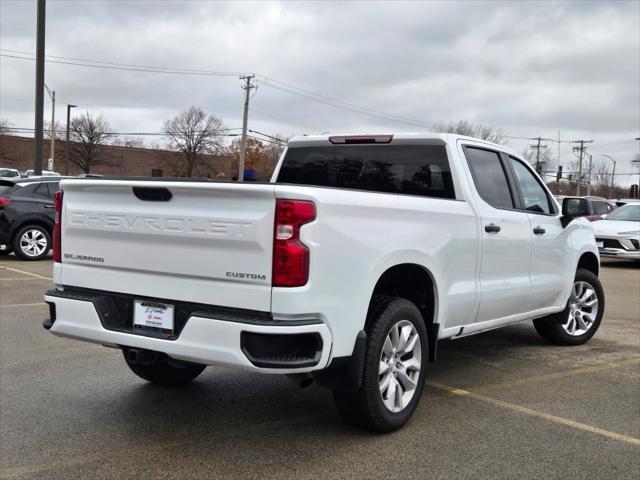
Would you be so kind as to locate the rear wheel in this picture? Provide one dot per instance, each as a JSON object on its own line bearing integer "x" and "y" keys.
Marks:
{"x": 581, "y": 318}
{"x": 393, "y": 376}
{"x": 163, "y": 370}
{"x": 31, "y": 242}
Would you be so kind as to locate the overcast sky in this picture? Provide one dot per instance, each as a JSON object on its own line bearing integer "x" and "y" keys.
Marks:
{"x": 531, "y": 68}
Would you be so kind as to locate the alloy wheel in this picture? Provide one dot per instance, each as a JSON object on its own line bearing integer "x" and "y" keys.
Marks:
{"x": 400, "y": 363}
{"x": 583, "y": 309}
{"x": 33, "y": 243}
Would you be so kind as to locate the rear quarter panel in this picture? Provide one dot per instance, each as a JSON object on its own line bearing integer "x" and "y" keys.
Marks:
{"x": 358, "y": 235}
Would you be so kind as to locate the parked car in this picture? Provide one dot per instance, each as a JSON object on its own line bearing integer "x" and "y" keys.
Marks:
{"x": 624, "y": 201}
{"x": 27, "y": 216}
{"x": 9, "y": 173}
{"x": 618, "y": 234}
{"x": 596, "y": 206}
{"x": 348, "y": 268}
{"x": 45, "y": 173}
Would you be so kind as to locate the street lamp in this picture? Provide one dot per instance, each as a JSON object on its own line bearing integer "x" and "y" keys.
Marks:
{"x": 66, "y": 144}
{"x": 613, "y": 175}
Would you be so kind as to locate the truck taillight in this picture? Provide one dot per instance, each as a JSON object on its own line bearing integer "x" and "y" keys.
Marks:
{"x": 290, "y": 255}
{"x": 57, "y": 228}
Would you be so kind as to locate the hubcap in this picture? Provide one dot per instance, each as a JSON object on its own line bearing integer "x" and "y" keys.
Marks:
{"x": 33, "y": 243}
{"x": 399, "y": 366}
{"x": 583, "y": 309}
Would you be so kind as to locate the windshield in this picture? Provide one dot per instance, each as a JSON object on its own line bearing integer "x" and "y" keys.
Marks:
{"x": 9, "y": 173}
{"x": 629, "y": 213}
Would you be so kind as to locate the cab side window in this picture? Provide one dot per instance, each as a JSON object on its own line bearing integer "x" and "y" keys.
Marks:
{"x": 534, "y": 195}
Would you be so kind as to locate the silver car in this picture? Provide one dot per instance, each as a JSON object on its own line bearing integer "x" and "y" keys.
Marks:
{"x": 618, "y": 234}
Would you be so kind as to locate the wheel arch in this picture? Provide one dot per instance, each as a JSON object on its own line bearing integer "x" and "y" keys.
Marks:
{"x": 33, "y": 220}
{"x": 417, "y": 284}
{"x": 589, "y": 261}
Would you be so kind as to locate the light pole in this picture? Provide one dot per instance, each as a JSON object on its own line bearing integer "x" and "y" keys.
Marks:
{"x": 613, "y": 175}
{"x": 66, "y": 143}
{"x": 52, "y": 95}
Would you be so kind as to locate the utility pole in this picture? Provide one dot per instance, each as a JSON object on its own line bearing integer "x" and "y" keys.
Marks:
{"x": 248, "y": 86}
{"x": 580, "y": 150}
{"x": 52, "y": 95}
{"x": 537, "y": 147}
{"x": 41, "y": 15}
{"x": 589, "y": 182}
{"x": 66, "y": 143}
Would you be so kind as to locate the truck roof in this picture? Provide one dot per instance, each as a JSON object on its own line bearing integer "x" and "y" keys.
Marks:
{"x": 386, "y": 137}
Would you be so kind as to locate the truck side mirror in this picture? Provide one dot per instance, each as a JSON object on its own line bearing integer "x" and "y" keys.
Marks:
{"x": 573, "y": 208}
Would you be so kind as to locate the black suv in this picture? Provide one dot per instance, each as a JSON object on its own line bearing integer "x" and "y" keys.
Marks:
{"x": 27, "y": 216}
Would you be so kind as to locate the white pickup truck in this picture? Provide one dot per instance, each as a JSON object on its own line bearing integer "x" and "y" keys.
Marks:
{"x": 347, "y": 268}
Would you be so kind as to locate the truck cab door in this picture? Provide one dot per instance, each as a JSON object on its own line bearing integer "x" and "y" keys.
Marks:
{"x": 505, "y": 283}
{"x": 551, "y": 263}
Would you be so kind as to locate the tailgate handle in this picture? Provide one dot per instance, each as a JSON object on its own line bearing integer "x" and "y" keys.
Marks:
{"x": 152, "y": 194}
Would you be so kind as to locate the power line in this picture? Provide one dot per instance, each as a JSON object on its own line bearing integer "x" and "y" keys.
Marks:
{"x": 267, "y": 80}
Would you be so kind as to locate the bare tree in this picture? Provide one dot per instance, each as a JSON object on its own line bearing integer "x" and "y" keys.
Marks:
{"x": 131, "y": 142}
{"x": 485, "y": 132}
{"x": 546, "y": 162}
{"x": 89, "y": 134}
{"x": 636, "y": 161}
{"x": 261, "y": 156}
{"x": 601, "y": 178}
{"x": 194, "y": 133}
{"x": 58, "y": 131}
{"x": 5, "y": 125}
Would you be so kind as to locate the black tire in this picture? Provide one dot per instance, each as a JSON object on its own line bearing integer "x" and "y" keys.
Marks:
{"x": 166, "y": 371}
{"x": 5, "y": 250}
{"x": 366, "y": 408}
{"x": 22, "y": 252}
{"x": 551, "y": 328}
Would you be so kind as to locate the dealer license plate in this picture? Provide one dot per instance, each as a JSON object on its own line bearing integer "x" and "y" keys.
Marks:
{"x": 152, "y": 314}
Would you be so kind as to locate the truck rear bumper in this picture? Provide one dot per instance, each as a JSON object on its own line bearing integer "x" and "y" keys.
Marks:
{"x": 269, "y": 347}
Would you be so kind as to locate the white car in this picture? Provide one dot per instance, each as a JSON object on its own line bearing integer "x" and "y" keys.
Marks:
{"x": 618, "y": 234}
{"x": 348, "y": 268}
{"x": 9, "y": 173}
{"x": 45, "y": 173}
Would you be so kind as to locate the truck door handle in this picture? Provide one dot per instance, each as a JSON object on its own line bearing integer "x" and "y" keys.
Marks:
{"x": 491, "y": 228}
{"x": 48, "y": 206}
{"x": 539, "y": 231}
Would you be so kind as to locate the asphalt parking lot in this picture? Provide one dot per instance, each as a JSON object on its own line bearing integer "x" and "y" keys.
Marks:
{"x": 503, "y": 404}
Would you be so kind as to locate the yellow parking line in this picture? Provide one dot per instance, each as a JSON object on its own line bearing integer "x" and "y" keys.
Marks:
{"x": 563, "y": 374}
{"x": 35, "y": 275}
{"x": 534, "y": 413}
{"x": 23, "y": 305}
{"x": 31, "y": 279}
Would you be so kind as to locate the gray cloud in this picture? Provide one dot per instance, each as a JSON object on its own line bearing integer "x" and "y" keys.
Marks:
{"x": 532, "y": 68}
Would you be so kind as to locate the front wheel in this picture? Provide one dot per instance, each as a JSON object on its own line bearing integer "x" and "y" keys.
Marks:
{"x": 581, "y": 318}
{"x": 163, "y": 370}
{"x": 393, "y": 376}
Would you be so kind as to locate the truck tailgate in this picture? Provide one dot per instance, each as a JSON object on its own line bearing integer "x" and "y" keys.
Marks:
{"x": 208, "y": 243}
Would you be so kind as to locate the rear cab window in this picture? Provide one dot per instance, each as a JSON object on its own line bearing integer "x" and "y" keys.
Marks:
{"x": 400, "y": 169}
{"x": 600, "y": 208}
{"x": 489, "y": 177}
